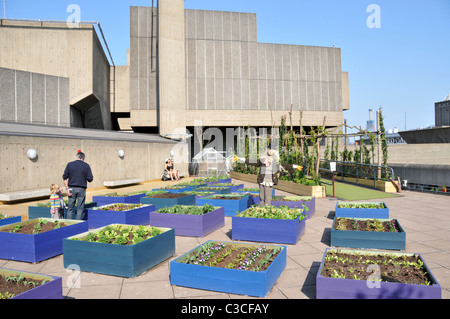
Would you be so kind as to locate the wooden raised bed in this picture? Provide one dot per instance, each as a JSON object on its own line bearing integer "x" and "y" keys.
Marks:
{"x": 380, "y": 213}
{"x": 160, "y": 201}
{"x": 37, "y": 247}
{"x": 368, "y": 239}
{"x": 369, "y": 286}
{"x": 236, "y": 281}
{"x": 102, "y": 216}
{"x": 119, "y": 260}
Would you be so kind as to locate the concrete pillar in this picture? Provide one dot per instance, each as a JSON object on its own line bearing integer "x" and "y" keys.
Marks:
{"x": 172, "y": 67}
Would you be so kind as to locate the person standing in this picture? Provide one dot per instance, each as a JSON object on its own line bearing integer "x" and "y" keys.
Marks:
{"x": 76, "y": 175}
{"x": 268, "y": 174}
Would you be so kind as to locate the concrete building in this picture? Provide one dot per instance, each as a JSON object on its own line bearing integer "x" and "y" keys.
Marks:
{"x": 206, "y": 68}
{"x": 442, "y": 112}
{"x": 50, "y": 51}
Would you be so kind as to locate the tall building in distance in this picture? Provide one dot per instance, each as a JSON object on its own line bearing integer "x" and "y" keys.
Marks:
{"x": 370, "y": 125}
{"x": 442, "y": 112}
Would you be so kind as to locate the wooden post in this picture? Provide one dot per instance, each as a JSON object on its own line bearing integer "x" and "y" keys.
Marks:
{"x": 379, "y": 144}
{"x": 290, "y": 116}
{"x": 301, "y": 135}
{"x": 319, "y": 138}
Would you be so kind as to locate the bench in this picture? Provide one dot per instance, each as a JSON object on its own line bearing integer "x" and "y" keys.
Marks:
{"x": 25, "y": 194}
{"x": 123, "y": 182}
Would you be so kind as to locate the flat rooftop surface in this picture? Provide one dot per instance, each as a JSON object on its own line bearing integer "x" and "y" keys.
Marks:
{"x": 425, "y": 218}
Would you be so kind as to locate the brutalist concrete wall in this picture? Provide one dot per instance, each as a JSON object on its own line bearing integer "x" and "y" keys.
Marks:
{"x": 27, "y": 97}
{"x": 425, "y": 174}
{"x": 228, "y": 69}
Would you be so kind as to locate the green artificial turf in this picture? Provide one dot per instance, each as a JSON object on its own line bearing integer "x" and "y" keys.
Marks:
{"x": 352, "y": 192}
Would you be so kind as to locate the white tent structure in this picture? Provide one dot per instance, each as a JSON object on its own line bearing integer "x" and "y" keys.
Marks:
{"x": 211, "y": 163}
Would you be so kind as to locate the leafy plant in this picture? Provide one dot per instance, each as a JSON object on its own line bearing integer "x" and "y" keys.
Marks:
{"x": 272, "y": 212}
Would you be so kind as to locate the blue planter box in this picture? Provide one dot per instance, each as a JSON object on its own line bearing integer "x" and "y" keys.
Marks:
{"x": 194, "y": 187}
{"x": 233, "y": 188}
{"x": 253, "y": 192}
{"x": 336, "y": 288}
{"x": 190, "y": 225}
{"x": 37, "y": 247}
{"x": 309, "y": 202}
{"x": 175, "y": 191}
{"x": 105, "y": 200}
{"x": 242, "y": 282}
{"x": 267, "y": 230}
{"x": 138, "y": 216}
{"x": 217, "y": 190}
{"x": 382, "y": 213}
{"x": 368, "y": 239}
{"x": 10, "y": 220}
{"x": 52, "y": 289}
{"x": 168, "y": 202}
{"x": 219, "y": 181}
{"x": 231, "y": 206}
{"x": 119, "y": 260}
{"x": 38, "y": 212}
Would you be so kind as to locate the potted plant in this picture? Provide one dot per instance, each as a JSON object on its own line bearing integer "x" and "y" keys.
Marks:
{"x": 37, "y": 239}
{"x": 112, "y": 198}
{"x": 197, "y": 221}
{"x": 296, "y": 202}
{"x": 269, "y": 224}
{"x": 17, "y": 284}
{"x": 119, "y": 250}
{"x": 120, "y": 213}
{"x": 358, "y": 274}
{"x": 367, "y": 233}
{"x": 162, "y": 199}
{"x": 246, "y": 269}
{"x": 6, "y": 220}
{"x": 362, "y": 209}
{"x": 232, "y": 203}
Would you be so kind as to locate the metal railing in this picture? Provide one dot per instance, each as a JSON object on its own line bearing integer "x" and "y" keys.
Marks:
{"x": 359, "y": 171}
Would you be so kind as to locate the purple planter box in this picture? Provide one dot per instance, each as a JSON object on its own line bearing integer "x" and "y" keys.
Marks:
{"x": 309, "y": 201}
{"x": 138, "y": 216}
{"x": 379, "y": 213}
{"x": 10, "y": 220}
{"x": 52, "y": 289}
{"x": 180, "y": 189}
{"x": 335, "y": 288}
{"x": 222, "y": 180}
{"x": 190, "y": 225}
{"x": 279, "y": 231}
{"x": 37, "y": 247}
{"x": 129, "y": 199}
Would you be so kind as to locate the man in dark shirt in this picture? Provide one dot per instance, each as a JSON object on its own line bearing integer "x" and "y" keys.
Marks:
{"x": 76, "y": 175}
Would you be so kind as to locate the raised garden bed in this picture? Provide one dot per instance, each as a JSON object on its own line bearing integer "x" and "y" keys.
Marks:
{"x": 215, "y": 180}
{"x": 357, "y": 274}
{"x": 16, "y": 284}
{"x": 198, "y": 194}
{"x": 132, "y": 214}
{"x": 233, "y": 187}
{"x": 131, "y": 198}
{"x": 175, "y": 189}
{"x": 43, "y": 210}
{"x": 119, "y": 250}
{"x": 367, "y": 233}
{"x": 217, "y": 190}
{"x": 287, "y": 186}
{"x": 269, "y": 224}
{"x": 253, "y": 190}
{"x": 245, "y": 269}
{"x": 6, "y": 220}
{"x": 232, "y": 203}
{"x": 194, "y": 184}
{"x": 362, "y": 209}
{"x": 196, "y": 221}
{"x": 296, "y": 202}
{"x": 162, "y": 199}
{"x": 37, "y": 239}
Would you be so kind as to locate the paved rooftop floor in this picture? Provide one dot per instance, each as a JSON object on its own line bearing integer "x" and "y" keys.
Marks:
{"x": 424, "y": 217}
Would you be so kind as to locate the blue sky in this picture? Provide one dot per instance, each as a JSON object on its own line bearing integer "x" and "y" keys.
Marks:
{"x": 404, "y": 65}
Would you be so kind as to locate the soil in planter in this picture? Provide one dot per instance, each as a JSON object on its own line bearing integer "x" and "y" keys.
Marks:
{"x": 33, "y": 228}
{"x": 16, "y": 285}
{"x": 375, "y": 225}
{"x": 168, "y": 195}
{"x": 234, "y": 257}
{"x": 392, "y": 268}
